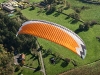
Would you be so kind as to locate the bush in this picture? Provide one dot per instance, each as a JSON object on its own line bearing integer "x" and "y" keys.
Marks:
{"x": 75, "y": 16}
{"x": 86, "y": 25}
{"x": 49, "y": 51}
{"x": 77, "y": 10}
{"x": 98, "y": 38}
{"x": 32, "y": 7}
{"x": 67, "y": 60}
{"x": 93, "y": 23}
{"x": 81, "y": 27}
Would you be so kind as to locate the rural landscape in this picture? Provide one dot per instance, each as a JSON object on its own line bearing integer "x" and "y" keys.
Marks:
{"x": 32, "y": 55}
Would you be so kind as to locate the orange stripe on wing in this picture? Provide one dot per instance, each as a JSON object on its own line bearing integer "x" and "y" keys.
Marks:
{"x": 51, "y": 33}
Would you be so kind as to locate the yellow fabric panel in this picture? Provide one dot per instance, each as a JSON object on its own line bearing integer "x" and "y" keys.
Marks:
{"x": 51, "y": 33}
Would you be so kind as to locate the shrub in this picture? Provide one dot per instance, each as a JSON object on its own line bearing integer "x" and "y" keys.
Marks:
{"x": 77, "y": 10}
{"x": 67, "y": 6}
{"x": 81, "y": 27}
{"x": 49, "y": 51}
{"x": 86, "y": 25}
{"x": 67, "y": 60}
{"x": 75, "y": 16}
{"x": 98, "y": 38}
{"x": 93, "y": 23}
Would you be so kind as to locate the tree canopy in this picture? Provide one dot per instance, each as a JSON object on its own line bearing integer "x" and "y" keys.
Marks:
{"x": 8, "y": 29}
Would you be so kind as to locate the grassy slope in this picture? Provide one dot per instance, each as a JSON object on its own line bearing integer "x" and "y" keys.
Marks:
{"x": 89, "y": 14}
{"x": 30, "y": 62}
{"x": 93, "y": 51}
{"x": 90, "y": 69}
{"x": 2, "y": 1}
{"x": 27, "y": 72}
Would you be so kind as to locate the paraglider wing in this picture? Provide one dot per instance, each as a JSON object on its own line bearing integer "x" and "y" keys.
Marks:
{"x": 55, "y": 33}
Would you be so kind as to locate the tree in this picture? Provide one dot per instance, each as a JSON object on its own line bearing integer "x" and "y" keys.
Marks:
{"x": 49, "y": 52}
{"x": 50, "y": 9}
{"x": 93, "y": 22}
{"x": 6, "y": 62}
{"x": 67, "y": 60}
{"x": 86, "y": 25}
{"x": 32, "y": 6}
{"x": 8, "y": 30}
{"x": 19, "y": 12}
{"x": 98, "y": 38}
{"x": 45, "y": 1}
{"x": 67, "y": 5}
{"x": 81, "y": 27}
{"x": 50, "y": 1}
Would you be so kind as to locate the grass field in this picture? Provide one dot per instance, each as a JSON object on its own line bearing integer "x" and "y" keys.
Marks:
{"x": 90, "y": 69}
{"x": 93, "y": 51}
{"x": 92, "y": 13}
{"x": 26, "y": 71}
{"x": 89, "y": 37}
{"x": 2, "y": 1}
{"x": 30, "y": 61}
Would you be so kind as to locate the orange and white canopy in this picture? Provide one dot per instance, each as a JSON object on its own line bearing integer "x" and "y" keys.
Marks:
{"x": 55, "y": 33}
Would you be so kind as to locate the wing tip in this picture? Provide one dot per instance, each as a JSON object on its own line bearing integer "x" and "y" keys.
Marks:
{"x": 83, "y": 54}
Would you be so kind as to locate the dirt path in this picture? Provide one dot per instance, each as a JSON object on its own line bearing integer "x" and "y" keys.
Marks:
{"x": 41, "y": 60}
{"x": 42, "y": 63}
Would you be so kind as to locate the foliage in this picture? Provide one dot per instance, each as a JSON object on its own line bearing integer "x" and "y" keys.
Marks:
{"x": 89, "y": 69}
{"x": 6, "y": 62}
{"x": 67, "y": 60}
{"x": 8, "y": 30}
{"x": 50, "y": 9}
{"x": 67, "y": 5}
{"x": 77, "y": 10}
{"x": 98, "y": 38}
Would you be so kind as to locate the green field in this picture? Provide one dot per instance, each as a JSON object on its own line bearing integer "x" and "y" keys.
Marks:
{"x": 92, "y": 13}
{"x": 30, "y": 61}
{"x": 2, "y": 1}
{"x": 26, "y": 71}
{"x": 90, "y": 69}
{"x": 89, "y": 37}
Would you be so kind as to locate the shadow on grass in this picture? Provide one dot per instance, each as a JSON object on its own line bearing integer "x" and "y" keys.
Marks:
{"x": 78, "y": 31}
{"x": 49, "y": 13}
{"x": 74, "y": 21}
{"x": 89, "y": 2}
{"x": 56, "y": 14}
{"x": 67, "y": 17}
{"x": 36, "y": 57}
{"x": 31, "y": 9}
{"x": 37, "y": 69}
{"x": 19, "y": 73}
{"x": 64, "y": 64}
{"x": 99, "y": 40}
{"x": 33, "y": 56}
